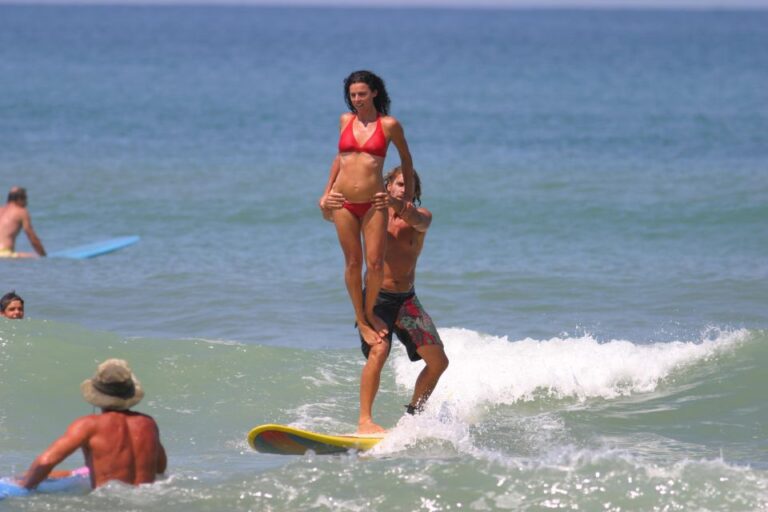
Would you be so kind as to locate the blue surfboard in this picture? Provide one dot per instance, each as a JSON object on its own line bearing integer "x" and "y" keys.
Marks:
{"x": 82, "y": 252}
{"x": 75, "y": 483}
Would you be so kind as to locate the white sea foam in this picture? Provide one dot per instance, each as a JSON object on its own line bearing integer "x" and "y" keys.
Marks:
{"x": 214, "y": 341}
{"x": 489, "y": 370}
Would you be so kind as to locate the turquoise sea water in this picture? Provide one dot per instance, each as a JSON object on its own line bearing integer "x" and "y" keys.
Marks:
{"x": 596, "y": 264}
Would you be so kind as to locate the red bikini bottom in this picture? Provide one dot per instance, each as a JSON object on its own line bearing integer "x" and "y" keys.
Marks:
{"x": 358, "y": 209}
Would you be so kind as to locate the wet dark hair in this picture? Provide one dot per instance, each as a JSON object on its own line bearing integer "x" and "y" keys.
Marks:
{"x": 17, "y": 194}
{"x": 8, "y": 298}
{"x": 397, "y": 171}
{"x": 381, "y": 101}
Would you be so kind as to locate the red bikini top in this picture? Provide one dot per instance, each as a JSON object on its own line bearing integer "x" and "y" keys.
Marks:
{"x": 376, "y": 144}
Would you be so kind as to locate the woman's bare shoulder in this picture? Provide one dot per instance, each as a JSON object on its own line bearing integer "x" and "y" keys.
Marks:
{"x": 389, "y": 121}
{"x": 345, "y": 118}
{"x": 392, "y": 127}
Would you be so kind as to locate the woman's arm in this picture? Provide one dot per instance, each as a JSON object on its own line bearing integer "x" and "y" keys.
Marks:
{"x": 332, "y": 175}
{"x": 330, "y": 200}
{"x": 397, "y": 136}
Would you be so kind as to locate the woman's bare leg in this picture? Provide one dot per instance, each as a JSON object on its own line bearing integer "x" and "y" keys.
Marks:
{"x": 375, "y": 235}
{"x": 348, "y": 231}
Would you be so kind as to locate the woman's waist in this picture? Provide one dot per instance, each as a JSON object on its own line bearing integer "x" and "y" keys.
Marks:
{"x": 358, "y": 188}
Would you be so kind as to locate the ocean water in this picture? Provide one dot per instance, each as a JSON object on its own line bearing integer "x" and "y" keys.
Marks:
{"x": 596, "y": 265}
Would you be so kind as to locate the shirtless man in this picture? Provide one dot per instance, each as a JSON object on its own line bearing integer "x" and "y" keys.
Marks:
{"x": 397, "y": 303}
{"x": 13, "y": 217}
{"x": 118, "y": 444}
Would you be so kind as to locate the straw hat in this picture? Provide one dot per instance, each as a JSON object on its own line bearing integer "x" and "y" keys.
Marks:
{"x": 114, "y": 386}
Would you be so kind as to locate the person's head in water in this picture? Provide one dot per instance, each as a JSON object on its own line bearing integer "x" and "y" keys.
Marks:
{"x": 391, "y": 178}
{"x": 374, "y": 83}
{"x": 18, "y": 195}
{"x": 12, "y": 306}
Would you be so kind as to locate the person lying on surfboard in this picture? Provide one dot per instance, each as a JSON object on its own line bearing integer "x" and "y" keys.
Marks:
{"x": 13, "y": 217}
{"x": 118, "y": 444}
{"x": 397, "y": 303}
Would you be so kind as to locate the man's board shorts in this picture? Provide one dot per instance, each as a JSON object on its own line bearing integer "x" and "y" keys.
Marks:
{"x": 8, "y": 253}
{"x": 404, "y": 315}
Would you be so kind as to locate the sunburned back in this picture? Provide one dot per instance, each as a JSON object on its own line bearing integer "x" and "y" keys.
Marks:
{"x": 125, "y": 446}
{"x": 10, "y": 225}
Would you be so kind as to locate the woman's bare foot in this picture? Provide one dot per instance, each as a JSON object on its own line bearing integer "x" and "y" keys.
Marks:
{"x": 368, "y": 427}
{"x": 370, "y": 336}
{"x": 379, "y": 325}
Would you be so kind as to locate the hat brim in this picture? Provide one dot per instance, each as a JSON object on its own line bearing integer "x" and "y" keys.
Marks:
{"x": 95, "y": 397}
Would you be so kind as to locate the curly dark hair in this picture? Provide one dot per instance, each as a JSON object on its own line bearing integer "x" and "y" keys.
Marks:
{"x": 381, "y": 101}
{"x": 397, "y": 171}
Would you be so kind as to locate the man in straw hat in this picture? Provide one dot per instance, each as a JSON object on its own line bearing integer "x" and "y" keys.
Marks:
{"x": 118, "y": 444}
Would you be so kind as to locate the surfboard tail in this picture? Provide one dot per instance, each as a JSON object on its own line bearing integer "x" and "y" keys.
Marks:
{"x": 287, "y": 440}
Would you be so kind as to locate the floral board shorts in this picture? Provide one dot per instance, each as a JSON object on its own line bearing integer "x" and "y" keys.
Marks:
{"x": 404, "y": 316}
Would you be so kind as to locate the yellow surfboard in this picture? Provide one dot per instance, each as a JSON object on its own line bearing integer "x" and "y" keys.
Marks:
{"x": 286, "y": 440}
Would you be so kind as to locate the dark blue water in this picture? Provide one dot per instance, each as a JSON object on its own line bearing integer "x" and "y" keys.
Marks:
{"x": 595, "y": 169}
{"x": 599, "y": 183}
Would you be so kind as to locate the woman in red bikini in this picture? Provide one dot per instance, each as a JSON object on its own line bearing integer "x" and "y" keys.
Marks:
{"x": 356, "y": 176}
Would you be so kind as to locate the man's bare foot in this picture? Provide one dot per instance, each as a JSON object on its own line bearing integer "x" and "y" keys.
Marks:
{"x": 379, "y": 325}
{"x": 368, "y": 427}
{"x": 370, "y": 336}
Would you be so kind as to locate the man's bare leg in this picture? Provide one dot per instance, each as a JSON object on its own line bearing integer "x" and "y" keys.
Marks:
{"x": 436, "y": 363}
{"x": 369, "y": 386}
